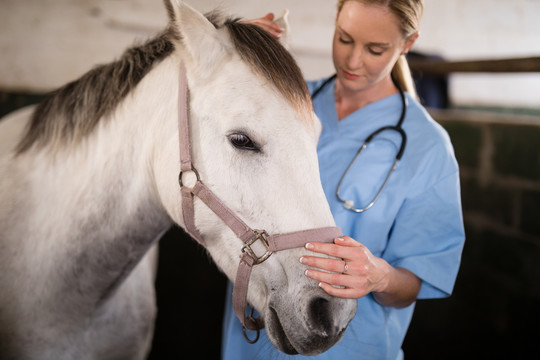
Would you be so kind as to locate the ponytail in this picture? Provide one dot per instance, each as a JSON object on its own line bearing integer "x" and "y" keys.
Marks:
{"x": 402, "y": 75}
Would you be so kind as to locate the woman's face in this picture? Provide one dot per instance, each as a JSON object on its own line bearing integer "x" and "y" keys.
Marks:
{"x": 367, "y": 43}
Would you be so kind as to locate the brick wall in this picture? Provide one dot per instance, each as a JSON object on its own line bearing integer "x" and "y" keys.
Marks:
{"x": 496, "y": 303}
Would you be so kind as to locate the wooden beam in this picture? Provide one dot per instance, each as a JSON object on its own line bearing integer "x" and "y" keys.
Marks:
{"x": 440, "y": 67}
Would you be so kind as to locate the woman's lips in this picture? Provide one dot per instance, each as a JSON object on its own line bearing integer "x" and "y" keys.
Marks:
{"x": 350, "y": 76}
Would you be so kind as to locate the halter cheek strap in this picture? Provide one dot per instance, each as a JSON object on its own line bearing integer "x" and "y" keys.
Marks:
{"x": 248, "y": 257}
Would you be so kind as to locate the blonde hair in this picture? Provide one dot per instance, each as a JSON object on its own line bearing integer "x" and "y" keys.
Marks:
{"x": 409, "y": 12}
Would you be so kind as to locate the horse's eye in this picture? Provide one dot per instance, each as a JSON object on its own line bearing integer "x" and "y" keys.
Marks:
{"x": 242, "y": 141}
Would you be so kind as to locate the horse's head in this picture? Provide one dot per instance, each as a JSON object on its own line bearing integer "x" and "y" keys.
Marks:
{"x": 254, "y": 137}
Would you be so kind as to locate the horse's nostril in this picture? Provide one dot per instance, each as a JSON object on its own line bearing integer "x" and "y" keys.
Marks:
{"x": 319, "y": 311}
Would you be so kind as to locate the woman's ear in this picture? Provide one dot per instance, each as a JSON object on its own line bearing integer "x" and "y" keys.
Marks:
{"x": 409, "y": 43}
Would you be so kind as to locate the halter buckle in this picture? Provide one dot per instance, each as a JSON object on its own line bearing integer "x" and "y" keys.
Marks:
{"x": 262, "y": 236}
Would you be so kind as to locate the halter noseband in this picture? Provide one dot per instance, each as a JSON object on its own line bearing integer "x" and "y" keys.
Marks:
{"x": 248, "y": 257}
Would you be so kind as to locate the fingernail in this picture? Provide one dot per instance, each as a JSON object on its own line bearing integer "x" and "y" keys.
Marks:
{"x": 301, "y": 260}
{"x": 307, "y": 273}
{"x": 340, "y": 239}
{"x": 309, "y": 246}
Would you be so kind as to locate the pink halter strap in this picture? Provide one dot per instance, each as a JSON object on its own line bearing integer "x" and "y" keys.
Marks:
{"x": 248, "y": 257}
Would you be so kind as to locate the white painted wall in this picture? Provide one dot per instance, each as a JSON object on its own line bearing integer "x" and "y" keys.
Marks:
{"x": 45, "y": 43}
{"x": 485, "y": 29}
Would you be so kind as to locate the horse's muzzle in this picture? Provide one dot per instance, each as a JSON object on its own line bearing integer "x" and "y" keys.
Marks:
{"x": 310, "y": 328}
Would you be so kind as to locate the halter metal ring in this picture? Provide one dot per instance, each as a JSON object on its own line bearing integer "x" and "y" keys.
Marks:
{"x": 262, "y": 236}
{"x": 251, "y": 341}
{"x": 181, "y": 182}
{"x": 257, "y": 331}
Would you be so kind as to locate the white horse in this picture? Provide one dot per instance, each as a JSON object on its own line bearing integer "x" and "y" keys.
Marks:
{"x": 89, "y": 179}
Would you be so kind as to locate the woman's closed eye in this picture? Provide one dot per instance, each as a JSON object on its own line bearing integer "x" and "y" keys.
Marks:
{"x": 345, "y": 40}
{"x": 376, "y": 50}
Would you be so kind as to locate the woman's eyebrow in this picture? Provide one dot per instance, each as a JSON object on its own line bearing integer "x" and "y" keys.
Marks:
{"x": 379, "y": 44}
{"x": 343, "y": 31}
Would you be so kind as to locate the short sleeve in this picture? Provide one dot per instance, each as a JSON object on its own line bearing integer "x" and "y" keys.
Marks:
{"x": 428, "y": 235}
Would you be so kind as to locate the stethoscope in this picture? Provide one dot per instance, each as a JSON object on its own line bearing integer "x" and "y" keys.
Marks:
{"x": 349, "y": 204}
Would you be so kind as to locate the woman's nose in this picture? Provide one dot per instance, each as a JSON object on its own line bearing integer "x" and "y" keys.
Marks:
{"x": 355, "y": 59}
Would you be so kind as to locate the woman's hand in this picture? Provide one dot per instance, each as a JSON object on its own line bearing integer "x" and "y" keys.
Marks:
{"x": 357, "y": 272}
{"x": 267, "y": 23}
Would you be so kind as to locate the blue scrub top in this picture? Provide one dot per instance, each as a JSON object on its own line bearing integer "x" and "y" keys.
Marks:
{"x": 416, "y": 223}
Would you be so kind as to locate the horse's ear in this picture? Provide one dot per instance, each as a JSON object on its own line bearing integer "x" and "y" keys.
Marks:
{"x": 283, "y": 22}
{"x": 199, "y": 37}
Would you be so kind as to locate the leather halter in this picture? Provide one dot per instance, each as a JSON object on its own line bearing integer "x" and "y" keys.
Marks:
{"x": 248, "y": 257}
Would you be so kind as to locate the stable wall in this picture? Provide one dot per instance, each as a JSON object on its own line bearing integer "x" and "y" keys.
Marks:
{"x": 494, "y": 311}
{"x": 46, "y": 43}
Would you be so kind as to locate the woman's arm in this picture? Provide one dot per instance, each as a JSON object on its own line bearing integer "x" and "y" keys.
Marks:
{"x": 364, "y": 274}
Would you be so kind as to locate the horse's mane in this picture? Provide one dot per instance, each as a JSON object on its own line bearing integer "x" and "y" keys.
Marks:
{"x": 269, "y": 59}
{"x": 71, "y": 112}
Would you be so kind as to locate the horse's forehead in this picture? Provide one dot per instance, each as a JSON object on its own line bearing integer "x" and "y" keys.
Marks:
{"x": 245, "y": 93}
{"x": 265, "y": 109}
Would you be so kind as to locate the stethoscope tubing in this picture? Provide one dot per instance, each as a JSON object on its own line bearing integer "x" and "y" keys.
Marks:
{"x": 349, "y": 204}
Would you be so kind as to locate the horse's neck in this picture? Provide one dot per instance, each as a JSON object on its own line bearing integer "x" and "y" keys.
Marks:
{"x": 118, "y": 178}
{"x": 101, "y": 203}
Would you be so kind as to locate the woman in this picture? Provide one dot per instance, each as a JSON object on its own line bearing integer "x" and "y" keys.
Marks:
{"x": 409, "y": 240}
